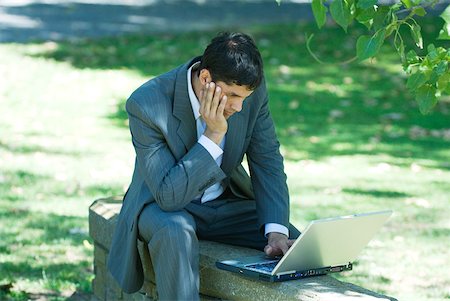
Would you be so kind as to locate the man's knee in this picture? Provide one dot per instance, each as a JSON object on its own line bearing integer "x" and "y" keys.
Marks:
{"x": 178, "y": 226}
{"x": 175, "y": 238}
{"x": 153, "y": 221}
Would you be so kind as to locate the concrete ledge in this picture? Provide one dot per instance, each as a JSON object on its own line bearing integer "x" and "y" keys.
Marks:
{"x": 215, "y": 284}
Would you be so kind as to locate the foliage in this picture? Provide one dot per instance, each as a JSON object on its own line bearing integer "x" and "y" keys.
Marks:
{"x": 429, "y": 72}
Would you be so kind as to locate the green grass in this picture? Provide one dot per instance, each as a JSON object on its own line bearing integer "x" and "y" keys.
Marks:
{"x": 352, "y": 136}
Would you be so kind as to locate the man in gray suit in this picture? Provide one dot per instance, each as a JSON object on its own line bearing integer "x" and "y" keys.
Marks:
{"x": 191, "y": 128}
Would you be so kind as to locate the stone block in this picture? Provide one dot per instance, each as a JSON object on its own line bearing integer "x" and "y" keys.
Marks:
{"x": 100, "y": 254}
{"x": 232, "y": 286}
{"x": 99, "y": 282}
{"x": 102, "y": 220}
{"x": 98, "y": 289}
{"x": 113, "y": 290}
{"x": 215, "y": 284}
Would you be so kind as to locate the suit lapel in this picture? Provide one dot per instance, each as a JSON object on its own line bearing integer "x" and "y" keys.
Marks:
{"x": 237, "y": 128}
{"x": 182, "y": 108}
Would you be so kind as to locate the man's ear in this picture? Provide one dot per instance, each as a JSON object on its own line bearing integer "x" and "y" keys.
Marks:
{"x": 204, "y": 76}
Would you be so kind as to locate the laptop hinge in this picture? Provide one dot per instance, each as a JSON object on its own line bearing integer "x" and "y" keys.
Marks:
{"x": 285, "y": 273}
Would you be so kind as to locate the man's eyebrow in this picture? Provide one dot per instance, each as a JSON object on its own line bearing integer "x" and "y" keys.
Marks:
{"x": 233, "y": 94}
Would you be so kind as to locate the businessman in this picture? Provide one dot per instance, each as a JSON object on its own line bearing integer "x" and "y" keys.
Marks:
{"x": 191, "y": 128}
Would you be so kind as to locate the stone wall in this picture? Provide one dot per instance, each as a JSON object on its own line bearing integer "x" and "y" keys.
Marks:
{"x": 215, "y": 284}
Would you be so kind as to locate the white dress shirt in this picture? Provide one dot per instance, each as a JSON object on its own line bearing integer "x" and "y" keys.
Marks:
{"x": 216, "y": 151}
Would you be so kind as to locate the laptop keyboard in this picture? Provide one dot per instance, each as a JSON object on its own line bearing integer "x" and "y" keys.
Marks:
{"x": 266, "y": 266}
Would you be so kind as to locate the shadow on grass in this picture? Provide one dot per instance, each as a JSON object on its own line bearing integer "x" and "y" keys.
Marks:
{"x": 53, "y": 277}
{"x": 26, "y": 246}
{"x": 44, "y": 228}
{"x": 13, "y": 183}
{"x": 97, "y": 191}
{"x": 320, "y": 110}
{"x": 22, "y": 185}
{"x": 30, "y": 149}
{"x": 61, "y": 272}
{"x": 377, "y": 193}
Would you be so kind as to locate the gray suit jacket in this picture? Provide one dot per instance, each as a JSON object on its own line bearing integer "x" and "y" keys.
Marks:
{"x": 172, "y": 168}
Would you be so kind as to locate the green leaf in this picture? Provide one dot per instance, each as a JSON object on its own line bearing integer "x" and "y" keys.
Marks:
{"x": 412, "y": 57}
{"x": 365, "y": 4}
{"x": 420, "y": 11}
{"x": 341, "y": 13}
{"x": 444, "y": 34}
{"x": 416, "y": 80}
{"x": 395, "y": 7}
{"x": 432, "y": 53}
{"x": 365, "y": 15}
{"x": 432, "y": 48}
{"x": 400, "y": 47}
{"x": 434, "y": 77}
{"x": 367, "y": 24}
{"x": 417, "y": 35}
{"x": 391, "y": 28}
{"x": 426, "y": 98}
{"x": 443, "y": 83}
{"x": 381, "y": 17}
{"x": 367, "y": 46}
{"x": 441, "y": 68}
{"x": 446, "y": 15}
{"x": 407, "y": 3}
{"x": 320, "y": 12}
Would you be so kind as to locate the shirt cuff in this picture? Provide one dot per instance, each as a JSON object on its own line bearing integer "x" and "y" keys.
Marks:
{"x": 213, "y": 149}
{"x": 273, "y": 227}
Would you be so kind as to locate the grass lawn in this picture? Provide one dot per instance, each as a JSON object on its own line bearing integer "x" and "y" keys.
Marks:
{"x": 352, "y": 136}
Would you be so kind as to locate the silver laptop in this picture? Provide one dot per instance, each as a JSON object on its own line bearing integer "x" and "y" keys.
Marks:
{"x": 326, "y": 246}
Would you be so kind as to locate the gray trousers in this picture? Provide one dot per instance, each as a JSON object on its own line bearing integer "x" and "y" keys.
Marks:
{"x": 172, "y": 239}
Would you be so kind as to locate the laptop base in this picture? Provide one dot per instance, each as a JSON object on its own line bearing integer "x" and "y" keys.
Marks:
{"x": 291, "y": 275}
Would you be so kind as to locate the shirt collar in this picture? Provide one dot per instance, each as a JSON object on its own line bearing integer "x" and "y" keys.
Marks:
{"x": 195, "y": 104}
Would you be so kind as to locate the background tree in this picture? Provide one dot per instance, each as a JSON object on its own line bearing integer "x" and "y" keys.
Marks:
{"x": 428, "y": 71}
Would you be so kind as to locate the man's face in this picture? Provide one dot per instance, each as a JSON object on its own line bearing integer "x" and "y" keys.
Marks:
{"x": 235, "y": 97}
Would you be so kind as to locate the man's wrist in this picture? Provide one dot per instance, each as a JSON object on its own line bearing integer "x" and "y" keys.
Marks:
{"x": 216, "y": 137}
{"x": 274, "y": 227}
{"x": 214, "y": 150}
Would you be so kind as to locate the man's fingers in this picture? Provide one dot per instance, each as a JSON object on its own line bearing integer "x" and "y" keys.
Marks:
{"x": 279, "y": 247}
{"x": 209, "y": 96}
{"x": 271, "y": 251}
{"x": 215, "y": 102}
{"x": 202, "y": 100}
{"x": 222, "y": 104}
{"x": 285, "y": 247}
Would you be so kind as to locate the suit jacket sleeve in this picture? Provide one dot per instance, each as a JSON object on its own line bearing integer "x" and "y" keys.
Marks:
{"x": 173, "y": 183}
{"x": 267, "y": 170}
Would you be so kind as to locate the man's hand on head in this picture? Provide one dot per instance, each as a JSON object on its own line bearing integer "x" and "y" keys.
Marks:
{"x": 278, "y": 244}
{"x": 212, "y": 105}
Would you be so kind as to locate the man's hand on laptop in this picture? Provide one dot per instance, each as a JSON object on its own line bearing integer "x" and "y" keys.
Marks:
{"x": 278, "y": 244}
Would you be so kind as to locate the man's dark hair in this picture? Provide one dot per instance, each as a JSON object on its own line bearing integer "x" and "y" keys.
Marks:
{"x": 234, "y": 59}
